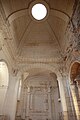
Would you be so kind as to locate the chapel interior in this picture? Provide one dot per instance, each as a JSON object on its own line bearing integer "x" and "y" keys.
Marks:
{"x": 39, "y": 59}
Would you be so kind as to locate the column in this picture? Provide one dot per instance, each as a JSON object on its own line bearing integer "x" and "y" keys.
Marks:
{"x": 79, "y": 88}
{"x": 23, "y": 114}
{"x": 11, "y": 97}
{"x": 75, "y": 101}
{"x": 49, "y": 101}
{"x": 28, "y": 103}
{"x": 69, "y": 99}
{"x": 78, "y": 95}
{"x": 63, "y": 98}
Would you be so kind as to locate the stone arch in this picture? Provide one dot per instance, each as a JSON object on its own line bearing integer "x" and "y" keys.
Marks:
{"x": 4, "y": 83}
{"x": 4, "y": 63}
{"x": 39, "y": 65}
{"x": 46, "y": 82}
{"x": 74, "y": 76}
{"x": 26, "y": 67}
{"x": 7, "y": 64}
{"x": 71, "y": 65}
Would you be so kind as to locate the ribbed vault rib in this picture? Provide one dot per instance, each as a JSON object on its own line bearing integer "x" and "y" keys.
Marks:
{"x": 54, "y": 34}
{"x": 16, "y": 11}
{"x": 62, "y": 12}
{"x": 20, "y": 12}
{"x": 24, "y": 9}
{"x": 26, "y": 32}
{"x": 60, "y": 15}
{"x": 17, "y": 15}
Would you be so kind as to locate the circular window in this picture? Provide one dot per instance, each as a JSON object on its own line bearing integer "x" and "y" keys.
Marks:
{"x": 39, "y": 11}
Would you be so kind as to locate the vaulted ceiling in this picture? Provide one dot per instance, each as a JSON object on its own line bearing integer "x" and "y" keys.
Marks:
{"x": 37, "y": 40}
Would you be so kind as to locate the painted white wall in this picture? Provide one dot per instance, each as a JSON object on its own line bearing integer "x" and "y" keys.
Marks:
{"x": 11, "y": 98}
{"x": 8, "y": 89}
{"x": 2, "y": 98}
{"x": 4, "y": 78}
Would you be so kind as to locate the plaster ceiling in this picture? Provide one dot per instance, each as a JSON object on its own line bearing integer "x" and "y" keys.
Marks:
{"x": 37, "y": 40}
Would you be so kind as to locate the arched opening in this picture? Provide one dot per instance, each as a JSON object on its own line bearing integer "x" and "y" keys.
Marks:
{"x": 39, "y": 96}
{"x": 4, "y": 78}
{"x": 75, "y": 87}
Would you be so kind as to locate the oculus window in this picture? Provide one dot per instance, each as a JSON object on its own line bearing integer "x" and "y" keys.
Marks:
{"x": 39, "y": 11}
